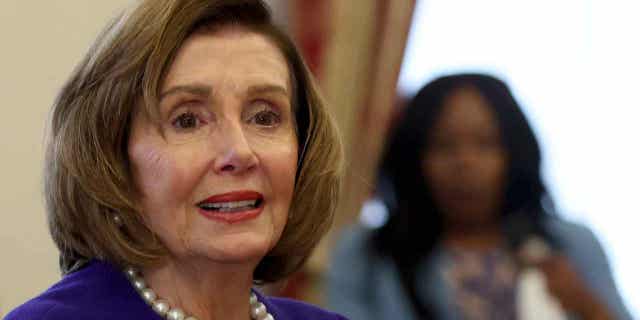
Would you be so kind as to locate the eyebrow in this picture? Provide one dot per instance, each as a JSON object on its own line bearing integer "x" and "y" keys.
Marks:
{"x": 195, "y": 89}
{"x": 205, "y": 90}
{"x": 267, "y": 88}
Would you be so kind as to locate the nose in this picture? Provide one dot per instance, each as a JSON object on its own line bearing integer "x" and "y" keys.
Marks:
{"x": 465, "y": 158}
{"x": 235, "y": 155}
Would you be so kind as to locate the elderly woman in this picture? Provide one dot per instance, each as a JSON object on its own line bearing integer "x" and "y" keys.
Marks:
{"x": 189, "y": 158}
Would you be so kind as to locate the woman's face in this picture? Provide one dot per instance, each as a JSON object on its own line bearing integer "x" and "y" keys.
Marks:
{"x": 465, "y": 164}
{"x": 217, "y": 172}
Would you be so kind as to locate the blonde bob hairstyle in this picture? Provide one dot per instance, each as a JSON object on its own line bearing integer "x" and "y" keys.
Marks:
{"x": 88, "y": 177}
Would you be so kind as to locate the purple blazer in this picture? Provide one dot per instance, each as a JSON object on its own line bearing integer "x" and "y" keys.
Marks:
{"x": 99, "y": 291}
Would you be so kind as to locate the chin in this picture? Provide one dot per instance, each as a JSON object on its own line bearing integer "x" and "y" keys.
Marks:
{"x": 238, "y": 248}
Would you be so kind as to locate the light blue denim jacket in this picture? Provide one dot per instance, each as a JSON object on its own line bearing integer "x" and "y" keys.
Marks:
{"x": 365, "y": 286}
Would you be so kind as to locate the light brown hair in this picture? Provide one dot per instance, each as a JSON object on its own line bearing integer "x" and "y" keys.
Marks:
{"x": 88, "y": 177}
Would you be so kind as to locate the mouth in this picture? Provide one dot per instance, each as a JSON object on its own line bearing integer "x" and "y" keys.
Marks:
{"x": 232, "y": 207}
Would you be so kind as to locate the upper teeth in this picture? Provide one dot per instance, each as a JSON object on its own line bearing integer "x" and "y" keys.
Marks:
{"x": 229, "y": 205}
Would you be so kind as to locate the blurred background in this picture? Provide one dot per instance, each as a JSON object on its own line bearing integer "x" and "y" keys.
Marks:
{"x": 573, "y": 66}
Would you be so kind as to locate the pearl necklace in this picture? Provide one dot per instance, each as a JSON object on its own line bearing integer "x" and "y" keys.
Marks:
{"x": 258, "y": 311}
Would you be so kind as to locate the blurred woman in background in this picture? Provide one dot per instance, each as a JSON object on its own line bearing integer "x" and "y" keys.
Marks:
{"x": 471, "y": 213}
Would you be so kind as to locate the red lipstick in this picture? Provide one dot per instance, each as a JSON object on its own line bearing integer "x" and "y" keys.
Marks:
{"x": 214, "y": 207}
{"x": 234, "y": 196}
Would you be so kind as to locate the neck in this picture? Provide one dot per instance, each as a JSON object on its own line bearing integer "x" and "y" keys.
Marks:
{"x": 474, "y": 237}
{"x": 207, "y": 290}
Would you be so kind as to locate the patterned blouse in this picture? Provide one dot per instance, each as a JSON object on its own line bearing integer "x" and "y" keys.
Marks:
{"x": 482, "y": 284}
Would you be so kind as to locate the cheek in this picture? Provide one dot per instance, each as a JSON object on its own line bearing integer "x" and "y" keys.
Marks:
{"x": 436, "y": 171}
{"x": 165, "y": 190}
{"x": 160, "y": 176}
{"x": 279, "y": 156}
{"x": 280, "y": 162}
{"x": 494, "y": 169}
{"x": 150, "y": 168}
{"x": 282, "y": 176}
{"x": 284, "y": 172}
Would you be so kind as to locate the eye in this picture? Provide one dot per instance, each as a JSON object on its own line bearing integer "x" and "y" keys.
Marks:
{"x": 186, "y": 121}
{"x": 266, "y": 117}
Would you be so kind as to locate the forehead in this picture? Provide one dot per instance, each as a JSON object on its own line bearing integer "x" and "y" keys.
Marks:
{"x": 228, "y": 57}
{"x": 467, "y": 108}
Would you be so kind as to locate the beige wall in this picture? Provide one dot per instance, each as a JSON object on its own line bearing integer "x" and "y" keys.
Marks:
{"x": 40, "y": 42}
